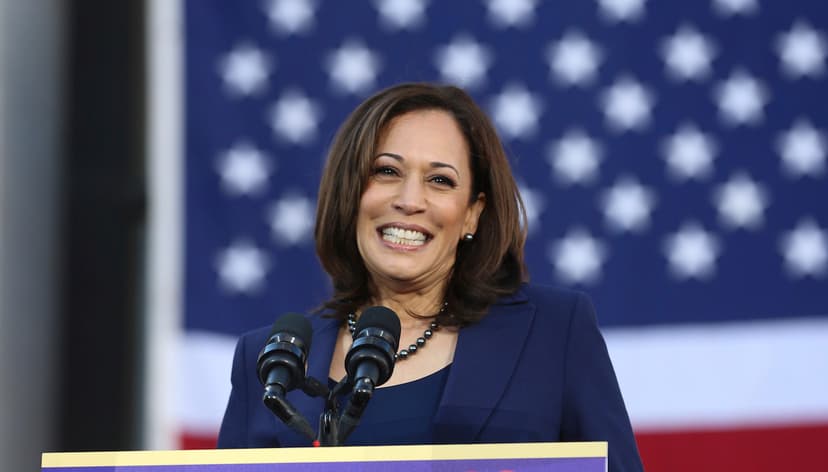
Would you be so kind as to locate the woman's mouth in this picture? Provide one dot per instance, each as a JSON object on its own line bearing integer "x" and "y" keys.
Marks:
{"x": 399, "y": 236}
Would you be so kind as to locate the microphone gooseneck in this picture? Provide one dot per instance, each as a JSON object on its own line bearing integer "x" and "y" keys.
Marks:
{"x": 369, "y": 363}
{"x": 281, "y": 368}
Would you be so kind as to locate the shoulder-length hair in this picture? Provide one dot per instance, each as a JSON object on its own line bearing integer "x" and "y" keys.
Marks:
{"x": 489, "y": 267}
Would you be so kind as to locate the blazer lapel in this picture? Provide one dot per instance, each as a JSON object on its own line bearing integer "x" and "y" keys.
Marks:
{"x": 486, "y": 354}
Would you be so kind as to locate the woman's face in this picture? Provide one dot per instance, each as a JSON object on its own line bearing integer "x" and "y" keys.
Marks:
{"x": 415, "y": 207}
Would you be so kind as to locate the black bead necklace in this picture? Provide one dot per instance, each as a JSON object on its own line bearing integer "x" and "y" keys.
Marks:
{"x": 412, "y": 348}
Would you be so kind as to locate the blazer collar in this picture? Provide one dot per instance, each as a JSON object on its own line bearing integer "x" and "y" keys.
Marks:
{"x": 485, "y": 355}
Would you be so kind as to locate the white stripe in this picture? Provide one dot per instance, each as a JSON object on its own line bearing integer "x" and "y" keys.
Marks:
{"x": 735, "y": 374}
{"x": 163, "y": 276}
{"x": 203, "y": 370}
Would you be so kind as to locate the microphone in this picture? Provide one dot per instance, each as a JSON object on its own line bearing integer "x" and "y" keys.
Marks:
{"x": 281, "y": 368}
{"x": 370, "y": 361}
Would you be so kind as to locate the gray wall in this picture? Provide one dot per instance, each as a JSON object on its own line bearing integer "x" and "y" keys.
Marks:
{"x": 31, "y": 38}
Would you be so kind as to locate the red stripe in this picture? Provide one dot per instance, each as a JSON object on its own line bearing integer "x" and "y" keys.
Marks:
{"x": 197, "y": 441}
{"x": 756, "y": 449}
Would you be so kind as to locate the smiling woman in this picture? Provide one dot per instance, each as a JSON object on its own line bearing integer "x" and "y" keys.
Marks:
{"x": 419, "y": 212}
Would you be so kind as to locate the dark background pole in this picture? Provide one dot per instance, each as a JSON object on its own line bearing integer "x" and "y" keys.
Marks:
{"x": 103, "y": 225}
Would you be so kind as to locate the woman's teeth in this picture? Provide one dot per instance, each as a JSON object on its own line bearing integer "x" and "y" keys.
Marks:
{"x": 403, "y": 236}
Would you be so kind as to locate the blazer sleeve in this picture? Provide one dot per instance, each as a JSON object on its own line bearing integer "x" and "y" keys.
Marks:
{"x": 593, "y": 409}
{"x": 234, "y": 425}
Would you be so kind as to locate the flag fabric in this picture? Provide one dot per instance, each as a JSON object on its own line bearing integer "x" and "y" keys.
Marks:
{"x": 671, "y": 155}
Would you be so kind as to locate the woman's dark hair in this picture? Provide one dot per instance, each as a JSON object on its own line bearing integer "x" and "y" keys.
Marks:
{"x": 487, "y": 268}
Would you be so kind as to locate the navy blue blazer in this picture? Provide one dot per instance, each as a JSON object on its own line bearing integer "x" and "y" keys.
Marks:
{"x": 535, "y": 369}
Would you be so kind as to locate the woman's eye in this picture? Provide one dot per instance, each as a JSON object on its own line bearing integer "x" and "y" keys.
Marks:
{"x": 385, "y": 170}
{"x": 443, "y": 180}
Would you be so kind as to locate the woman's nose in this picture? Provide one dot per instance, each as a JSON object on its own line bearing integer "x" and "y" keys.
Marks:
{"x": 411, "y": 197}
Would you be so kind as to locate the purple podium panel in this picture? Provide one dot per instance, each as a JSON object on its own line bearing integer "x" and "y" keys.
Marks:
{"x": 554, "y": 457}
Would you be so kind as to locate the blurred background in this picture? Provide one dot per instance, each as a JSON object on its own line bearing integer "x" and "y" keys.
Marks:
{"x": 159, "y": 163}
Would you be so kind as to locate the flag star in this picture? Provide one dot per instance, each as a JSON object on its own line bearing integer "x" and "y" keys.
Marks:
{"x": 245, "y": 70}
{"x": 292, "y": 219}
{"x": 627, "y": 205}
{"x": 516, "y": 111}
{"x": 401, "y": 14}
{"x": 294, "y": 117}
{"x": 577, "y": 257}
{"x": 575, "y": 157}
{"x": 627, "y": 105}
{"x": 741, "y": 202}
{"x": 506, "y": 13}
{"x": 574, "y": 59}
{"x": 692, "y": 252}
{"x": 291, "y": 16}
{"x": 735, "y": 7}
{"x": 688, "y": 54}
{"x": 242, "y": 267}
{"x": 243, "y": 170}
{"x": 622, "y": 10}
{"x": 534, "y": 204}
{"x": 803, "y": 150}
{"x": 741, "y": 99}
{"x": 689, "y": 153}
{"x": 463, "y": 61}
{"x": 353, "y": 68}
{"x": 805, "y": 249}
{"x": 802, "y": 51}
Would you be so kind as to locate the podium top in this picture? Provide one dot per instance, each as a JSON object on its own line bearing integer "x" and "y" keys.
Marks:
{"x": 585, "y": 456}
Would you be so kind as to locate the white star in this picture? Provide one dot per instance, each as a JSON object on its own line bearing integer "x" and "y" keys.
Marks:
{"x": 506, "y": 13}
{"x": 292, "y": 219}
{"x": 244, "y": 170}
{"x": 735, "y": 7}
{"x": 517, "y": 111}
{"x": 291, "y": 16}
{"x": 463, "y": 61}
{"x": 534, "y": 204}
{"x": 741, "y": 202}
{"x": 577, "y": 257}
{"x": 805, "y": 249}
{"x": 401, "y": 14}
{"x": 574, "y": 59}
{"x": 294, "y": 117}
{"x": 575, "y": 157}
{"x": 627, "y": 105}
{"x": 242, "y": 267}
{"x": 741, "y": 99}
{"x": 688, "y": 54}
{"x": 803, "y": 150}
{"x": 627, "y": 205}
{"x": 245, "y": 70}
{"x": 689, "y": 153}
{"x": 622, "y": 10}
{"x": 802, "y": 51}
{"x": 353, "y": 68}
{"x": 692, "y": 252}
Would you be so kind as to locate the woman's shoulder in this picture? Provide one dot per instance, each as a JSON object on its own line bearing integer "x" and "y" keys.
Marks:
{"x": 546, "y": 296}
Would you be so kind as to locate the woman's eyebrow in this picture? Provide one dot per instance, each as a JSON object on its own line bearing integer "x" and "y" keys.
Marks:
{"x": 434, "y": 165}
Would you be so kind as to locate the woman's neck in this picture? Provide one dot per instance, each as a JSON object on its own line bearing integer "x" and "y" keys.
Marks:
{"x": 409, "y": 305}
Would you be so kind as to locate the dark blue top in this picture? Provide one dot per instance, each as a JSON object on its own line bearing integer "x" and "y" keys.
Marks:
{"x": 402, "y": 414}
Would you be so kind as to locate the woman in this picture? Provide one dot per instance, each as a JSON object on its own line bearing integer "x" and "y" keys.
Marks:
{"x": 419, "y": 212}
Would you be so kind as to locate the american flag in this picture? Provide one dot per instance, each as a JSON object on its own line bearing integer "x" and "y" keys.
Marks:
{"x": 672, "y": 156}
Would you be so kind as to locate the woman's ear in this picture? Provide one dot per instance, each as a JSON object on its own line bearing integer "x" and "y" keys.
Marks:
{"x": 473, "y": 214}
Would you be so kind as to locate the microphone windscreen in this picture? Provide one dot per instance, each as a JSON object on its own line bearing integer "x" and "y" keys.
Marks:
{"x": 295, "y": 324}
{"x": 379, "y": 317}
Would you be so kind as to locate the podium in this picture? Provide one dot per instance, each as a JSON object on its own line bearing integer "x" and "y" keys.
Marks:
{"x": 554, "y": 457}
